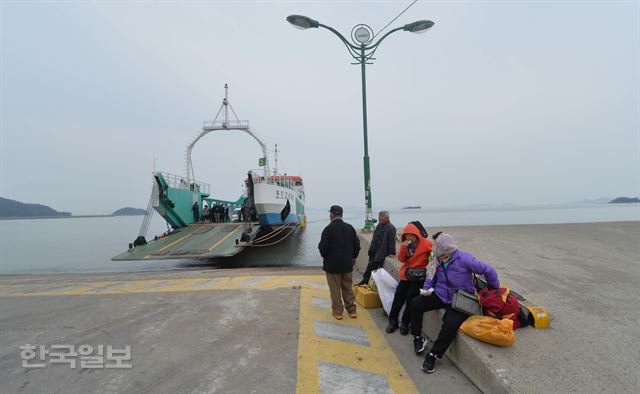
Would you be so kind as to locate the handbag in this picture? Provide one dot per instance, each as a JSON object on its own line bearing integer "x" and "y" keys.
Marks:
{"x": 463, "y": 301}
{"x": 416, "y": 274}
{"x": 466, "y": 303}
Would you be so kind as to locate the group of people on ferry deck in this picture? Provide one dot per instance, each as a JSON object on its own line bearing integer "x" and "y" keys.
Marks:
{"x": 445, "y": 270}
{"x": 214, "y": 214}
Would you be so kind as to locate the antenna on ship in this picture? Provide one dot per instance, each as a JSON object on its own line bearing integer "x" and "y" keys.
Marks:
{"x": 275, "y": 169}
{"x": 225, "y": 104}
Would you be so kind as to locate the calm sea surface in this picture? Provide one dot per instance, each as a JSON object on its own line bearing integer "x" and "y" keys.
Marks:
{"x": 87, "y": 244}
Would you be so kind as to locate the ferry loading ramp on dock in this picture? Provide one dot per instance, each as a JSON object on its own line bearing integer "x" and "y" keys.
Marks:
{"x": 193, "y": 241}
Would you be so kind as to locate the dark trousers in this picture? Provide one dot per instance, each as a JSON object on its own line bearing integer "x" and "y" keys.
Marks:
{"x": 405, "y": 292}
{"x": 451, "y": 321}
{"x": 373, "y": 265}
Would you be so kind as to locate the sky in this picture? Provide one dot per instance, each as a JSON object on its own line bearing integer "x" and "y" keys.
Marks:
{"x": 521, "y": 102}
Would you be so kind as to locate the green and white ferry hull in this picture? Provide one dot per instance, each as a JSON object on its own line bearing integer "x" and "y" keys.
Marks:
{"x": 274, "y": 207}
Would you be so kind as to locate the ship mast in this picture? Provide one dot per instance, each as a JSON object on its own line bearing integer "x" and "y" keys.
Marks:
{"x": 225, "y": 124}
{"x": 275, "y": 169}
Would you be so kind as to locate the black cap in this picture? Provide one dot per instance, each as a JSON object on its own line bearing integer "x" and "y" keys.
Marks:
{"x": 336, "y": 210}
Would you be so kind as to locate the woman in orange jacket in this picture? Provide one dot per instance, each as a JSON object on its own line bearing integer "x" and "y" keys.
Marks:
{"x": 414, "y": 253}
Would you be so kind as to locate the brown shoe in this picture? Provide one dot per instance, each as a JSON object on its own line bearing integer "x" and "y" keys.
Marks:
{"x": 353, "y": 314}
{"x": 338, "y": 317}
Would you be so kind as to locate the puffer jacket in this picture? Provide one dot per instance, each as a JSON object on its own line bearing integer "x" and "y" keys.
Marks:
{"x": 459, "y": 271}
{"x": 420, "y": 255}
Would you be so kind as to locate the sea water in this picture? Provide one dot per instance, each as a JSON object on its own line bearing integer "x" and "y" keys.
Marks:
{"x": 70, "y": 245}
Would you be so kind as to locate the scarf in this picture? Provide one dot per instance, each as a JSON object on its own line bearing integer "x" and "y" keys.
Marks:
{"x": 411, "y": 249}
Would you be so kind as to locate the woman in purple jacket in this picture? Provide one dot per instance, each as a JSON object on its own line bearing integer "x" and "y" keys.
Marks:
{"x": 454, "y": 269}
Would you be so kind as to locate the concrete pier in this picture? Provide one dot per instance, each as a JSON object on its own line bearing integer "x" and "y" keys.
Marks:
{"x": 586, "y": 276}
{"x": 204, "y": 331}
{"x": 271, "y": 330}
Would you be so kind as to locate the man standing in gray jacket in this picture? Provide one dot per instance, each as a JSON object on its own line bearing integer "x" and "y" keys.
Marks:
{"x": 383, "y": 244}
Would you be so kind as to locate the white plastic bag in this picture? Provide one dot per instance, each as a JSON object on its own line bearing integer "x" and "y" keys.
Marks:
{"x": 386, "y": 288}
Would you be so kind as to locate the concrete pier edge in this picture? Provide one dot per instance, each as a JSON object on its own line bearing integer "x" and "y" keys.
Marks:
{"x": 585, "y": 275}
{"x": 471, "y": 359}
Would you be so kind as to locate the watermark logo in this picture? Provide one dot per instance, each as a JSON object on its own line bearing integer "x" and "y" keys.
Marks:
{"x": 84, "y": 356}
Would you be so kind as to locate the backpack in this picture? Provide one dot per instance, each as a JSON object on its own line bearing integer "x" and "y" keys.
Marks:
{"x": 501, "y": 304}
{"x": 420, "y": 228}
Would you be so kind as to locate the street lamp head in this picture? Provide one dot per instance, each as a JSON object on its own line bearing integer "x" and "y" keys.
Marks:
{"x": 302, "y": 22}
{"x": 418, "y": 26}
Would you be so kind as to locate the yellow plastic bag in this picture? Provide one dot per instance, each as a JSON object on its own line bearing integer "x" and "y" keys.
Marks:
{"x": 490, "y": 330}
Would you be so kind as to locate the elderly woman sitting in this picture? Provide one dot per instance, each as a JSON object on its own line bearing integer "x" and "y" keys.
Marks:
{"x": 414, "y": 253}
{"x": 453, "y": 271}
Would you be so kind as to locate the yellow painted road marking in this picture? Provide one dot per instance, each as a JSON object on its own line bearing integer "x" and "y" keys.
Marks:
{"x": 377, "y": 358}
{"x": 172, "y": 285}
{"x": 167, "y": 246}
{"x": 219, "y": 242}
{"x": 59, "y": 291}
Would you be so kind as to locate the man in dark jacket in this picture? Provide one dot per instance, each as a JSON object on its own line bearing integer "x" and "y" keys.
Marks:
{"x": 196, "y": 212}
{"x": 246, "y": 210}
{"x": 383, "y": 244}
{"x": 339, "y": 246}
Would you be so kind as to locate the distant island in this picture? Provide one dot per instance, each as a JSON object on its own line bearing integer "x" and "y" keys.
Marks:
{"x": 624, "y": 200}
{"x": 16, "y": 209}
{"x": 128, "y": 211}
{"x": 12, "y": 209}
{"x": 412, "y": 207}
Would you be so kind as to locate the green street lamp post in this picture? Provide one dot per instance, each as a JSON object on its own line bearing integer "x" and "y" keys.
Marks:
{"x": 362, "y": 51}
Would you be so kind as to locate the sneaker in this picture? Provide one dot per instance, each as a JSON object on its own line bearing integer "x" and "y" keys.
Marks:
{"x": 338, "y": 317}
{"x": 353, "y": 314}
{"x": 404, "y": 328}
{"x": 429, "y": 363}
{"x": 419, "y": 343}
{"x": 393, "y": 325}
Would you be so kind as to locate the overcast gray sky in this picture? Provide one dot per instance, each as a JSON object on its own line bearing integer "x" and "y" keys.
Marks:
{"x": 525, "y": 102}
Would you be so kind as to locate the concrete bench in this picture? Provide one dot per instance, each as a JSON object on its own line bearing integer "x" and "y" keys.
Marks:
{"x": 475, "y": 359}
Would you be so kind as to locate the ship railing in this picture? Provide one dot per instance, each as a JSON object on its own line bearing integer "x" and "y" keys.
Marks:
{"x": 257, "y": 174}
{"x": 258, "y": 177}
{"x": 180, "y": 182}
{"x": 216, "y": 124}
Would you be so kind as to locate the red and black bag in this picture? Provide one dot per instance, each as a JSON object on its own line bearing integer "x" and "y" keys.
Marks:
{"x": 501, "y": 304}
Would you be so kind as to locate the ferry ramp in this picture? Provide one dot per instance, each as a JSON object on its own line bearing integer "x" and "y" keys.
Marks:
{"x": 193, "y": 241}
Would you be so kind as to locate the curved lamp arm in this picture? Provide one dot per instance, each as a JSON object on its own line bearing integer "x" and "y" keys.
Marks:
{"x": 373, "y": 48}
{"x": 383, "y": 37}
{"x": 337, "y": 33}
{"x": 358, "y": 52}
{"x": 352, "y": 48}
{"x": 417, "y": 27}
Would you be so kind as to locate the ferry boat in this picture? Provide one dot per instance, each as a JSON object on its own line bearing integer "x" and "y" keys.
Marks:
{"x": 270, "y": 209}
